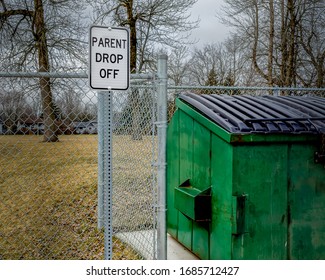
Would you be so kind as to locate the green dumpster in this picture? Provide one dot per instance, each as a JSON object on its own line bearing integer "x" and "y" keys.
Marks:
{"x": 246, "y": 177}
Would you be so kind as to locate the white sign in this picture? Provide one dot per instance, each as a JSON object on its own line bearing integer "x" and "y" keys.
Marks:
{"x": 109, "y": 62}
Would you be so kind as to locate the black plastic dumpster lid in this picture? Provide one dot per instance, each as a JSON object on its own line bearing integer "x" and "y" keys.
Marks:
{"x": 262, "y": 114}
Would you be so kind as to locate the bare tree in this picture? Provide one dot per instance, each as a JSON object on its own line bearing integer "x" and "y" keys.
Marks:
{"x": 311, "y": 37}
{"x": 70, "y": 102}
{"x": 178, "y": 66}
{"x": 209, "y": 65}
{"x": 12, "y": 105}
{"x": 36, "y": 30}
{"x": 285, "y": 37}
{"x": 202, "y": 61}
{"x": 237, "y": 57}
{"x": 260, "y": 12}
{"x": 164, "y": 22}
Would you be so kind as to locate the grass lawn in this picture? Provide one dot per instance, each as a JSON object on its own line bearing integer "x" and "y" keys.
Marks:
{"x": 48, "y": 196}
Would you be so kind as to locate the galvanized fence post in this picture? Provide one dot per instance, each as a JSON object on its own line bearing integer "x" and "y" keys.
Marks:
{"x": 100, "y": 130}
{"x": 161, "y": 176}
{"x": 105, "y": 169}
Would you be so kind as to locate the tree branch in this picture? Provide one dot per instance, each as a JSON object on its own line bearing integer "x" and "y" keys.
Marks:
{"x": 3, "y": 5}
{"x": 255, "y": 44}
{"x": 9, "y": 13}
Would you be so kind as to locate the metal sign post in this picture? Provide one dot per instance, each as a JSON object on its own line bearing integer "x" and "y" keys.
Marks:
{"x": 105, "y": 169}
{"x": 108, "y": 70}
{"x": 108, "y": 189}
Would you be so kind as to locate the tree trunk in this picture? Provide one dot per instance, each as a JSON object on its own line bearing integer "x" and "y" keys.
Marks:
{"x": 284, "y": 56}
{"x": 271, "y": 43}
{"x": 50, "y": 128}
{"x": 320, "y": 82}
{"x": 136, "y": 118}
{"x": 292, "y": 48}
{"x": 255, "y": 44}
{"x": 135, "y": 97}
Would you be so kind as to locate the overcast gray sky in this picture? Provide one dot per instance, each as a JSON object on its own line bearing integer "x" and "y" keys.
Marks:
{"x": 210, "y": 30}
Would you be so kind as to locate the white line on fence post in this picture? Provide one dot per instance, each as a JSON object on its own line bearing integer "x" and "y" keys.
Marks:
{"x": 161, "y": 133}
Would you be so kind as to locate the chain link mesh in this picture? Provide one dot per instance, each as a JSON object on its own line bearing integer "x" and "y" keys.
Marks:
{"x": 48, "y": 190}
{"x": 134, "y": 174}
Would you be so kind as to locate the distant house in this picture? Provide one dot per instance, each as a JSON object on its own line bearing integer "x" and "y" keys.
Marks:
{"x": 35, "y": 125}
{"x": 85, "y": 127}
{"x": 30, "y": 126}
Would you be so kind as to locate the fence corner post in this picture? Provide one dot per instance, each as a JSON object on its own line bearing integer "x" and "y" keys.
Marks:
{"x": 161, "y": 176}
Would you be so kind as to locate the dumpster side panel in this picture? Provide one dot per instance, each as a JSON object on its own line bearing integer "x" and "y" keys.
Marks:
{"x": 260, "y": 172}
{"x": 201, "y": 157}
{"x": 201, "y": 180}
{"x": 185, "y": 224}
{"x": 173, "y": 180}
{"x": 306, "y": 234}
{"x": 221, "y": 182}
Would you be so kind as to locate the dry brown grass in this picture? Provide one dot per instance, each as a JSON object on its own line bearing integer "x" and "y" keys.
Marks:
{"x": 48, "y": 198}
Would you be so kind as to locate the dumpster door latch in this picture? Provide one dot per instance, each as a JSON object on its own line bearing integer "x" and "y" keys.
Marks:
{"x": 319, "y": 156}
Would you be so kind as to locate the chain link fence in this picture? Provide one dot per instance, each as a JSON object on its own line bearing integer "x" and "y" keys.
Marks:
{"x": 48, "y": 190}
{"x": 134, "y": 175}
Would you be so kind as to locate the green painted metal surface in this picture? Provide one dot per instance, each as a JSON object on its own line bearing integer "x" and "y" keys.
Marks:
{"x": 185, "y": 224}
{"x": 306, "y": 203}
{"x": 193, "y": 203}
{"x": 173, "y": 173}
{"x": 267, "y": 194}
{"x": 221, "y": 189}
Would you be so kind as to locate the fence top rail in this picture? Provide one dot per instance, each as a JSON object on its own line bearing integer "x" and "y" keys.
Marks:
{"x": 244, "y": 88}
{"x": 149, "y": 76}
{"x": 80, "y": 75}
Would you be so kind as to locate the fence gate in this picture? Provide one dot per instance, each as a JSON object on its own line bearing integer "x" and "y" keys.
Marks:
{"x": 49, "y": 190}
{"x": 131, "y": 195}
